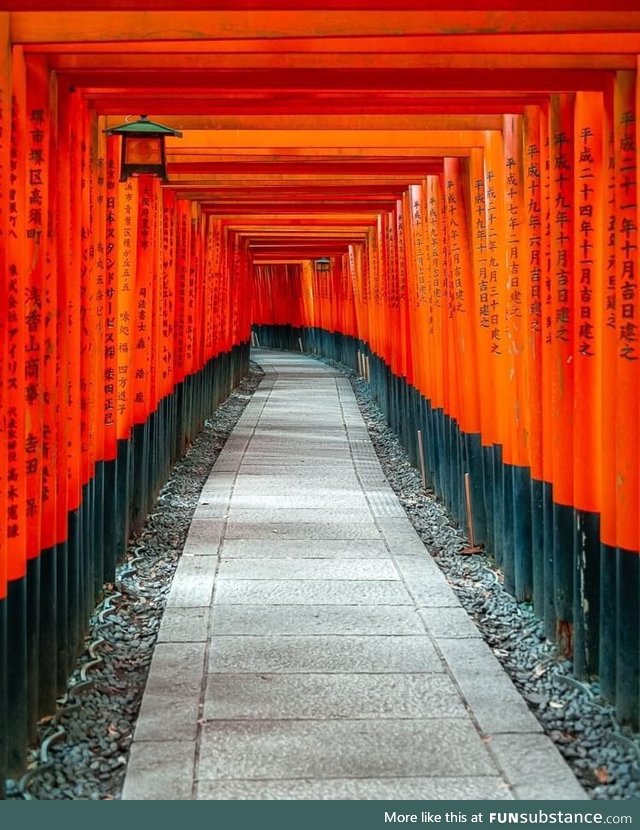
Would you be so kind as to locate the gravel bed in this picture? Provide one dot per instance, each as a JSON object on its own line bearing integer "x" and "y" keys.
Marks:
{"x": 83, "y": 749}
{"x": 604, "y": 756}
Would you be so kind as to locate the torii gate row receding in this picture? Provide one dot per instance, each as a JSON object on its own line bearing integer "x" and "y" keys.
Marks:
{"x": 471, "y": 175}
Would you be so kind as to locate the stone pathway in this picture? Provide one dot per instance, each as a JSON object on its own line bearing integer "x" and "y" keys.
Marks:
{"x": 311, "y": 649}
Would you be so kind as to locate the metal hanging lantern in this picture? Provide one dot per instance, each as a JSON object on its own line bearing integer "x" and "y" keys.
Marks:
{"x": 323, "y": 265}
{"x": 143, "y": 147}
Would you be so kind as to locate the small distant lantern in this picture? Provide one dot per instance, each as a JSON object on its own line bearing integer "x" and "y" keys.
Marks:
{"x": 323, "y": 265}
{"x": 143, "y": 147}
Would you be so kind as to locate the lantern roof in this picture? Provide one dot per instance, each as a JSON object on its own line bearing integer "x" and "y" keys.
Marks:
{"x": 142, "y": 127}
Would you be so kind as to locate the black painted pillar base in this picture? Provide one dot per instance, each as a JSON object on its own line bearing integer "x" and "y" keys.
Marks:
{"x": 498, "y": 506}
{"x": 458, "y": 507}
{"x": 549, "y": 584}
{"x": 508, "y": 536}
{"x": 608, "y": 623}
{"x": 438, "y": 479}
{"x": 74, "y": 585}
{"x": 151, "y": 467}
{"x": 98, "y": 531}
{"x": 563, "y": 523}
{"x": 123, "y": 493}
{"x": 17, "y": 699}
{"x": 63, "y": 625}
{"x": 627, "y": 639}
{"x": 473, "y": 466}
{"x": 537, "y": 546}
{"x": 33, "y": 645}
{"x": 48, "y": 664}
{"x": 3, "y": 696}
{"x": 429, "y": 441}
{"x": 178, "y": 446}
{"x": 586, "y": 595}
{"x": 139, "y": 493}
{"x": 488, "y": 496}
{"x": 111, "y": 551}
{"x": 523, "y": 553}
{"x": 86, "y": 558}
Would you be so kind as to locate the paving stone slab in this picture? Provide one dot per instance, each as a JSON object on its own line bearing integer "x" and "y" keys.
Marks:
{"x": 302, "y": 516}
{"x": 192, "y": 584}
{"x": 408, "y": 546}
{"x": 294, "y": 448}
{"x": 315, "y": 619}
{"x": 302, "y": 443}
{"x": 228, "y": 465}
{"x": 352, "y": 569}
{"x": 298, "y": 426}
{"x": 228, "y": 456}
{"x": 369, "y": 470}
{"x": 302, "y": 485}
{"x": 341, "y": 749}
{"x": 318, "y": 696}
{"x": 160, "y": 771}
{"x": 168, "y": 717}
{"x": 323, "y": 653}
{"x": 290, "y": 404}
{"x": 365, "y": 789}
{"x": 184, "y": 625}
{"x": 204, "y": 537}
{"x": 384, "y": 503}
{"x": 170, "y": 704}
{"x": 218, "y": 485}
{"x": 293, "y": 430}
{"x": 426, "y": 583}
{"x": 322, "y": 473}
{"x": 219, "y": 481}
{"x": 373, "y": 478}
{"x": 319, "y": 505}
{"x": 449, "y": 622}
{"x": 212, "y": 510}
{"x": 238, "y": 441}
{"x": 535, "y": 768}
{"x": 310, "y": 592}
{"x": 176, "y": 667}
{"x": 398, "y": 527}
{"x": 221, "y": 494}
{"x": 275, "y": 548}
{"x": 483, "y": 681}
{"x": 295, "y": 530}
{"x": 320, "y": 461}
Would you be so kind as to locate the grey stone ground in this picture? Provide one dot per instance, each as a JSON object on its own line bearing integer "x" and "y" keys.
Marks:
{"x": 310, "y": 648}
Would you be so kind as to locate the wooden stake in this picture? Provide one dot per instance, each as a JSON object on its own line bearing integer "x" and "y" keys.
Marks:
{"x": 423, "y": 472}
{"x": 473, "y": 548}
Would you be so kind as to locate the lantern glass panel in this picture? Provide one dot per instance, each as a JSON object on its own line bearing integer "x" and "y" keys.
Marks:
{"x": 142, "y": 150}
